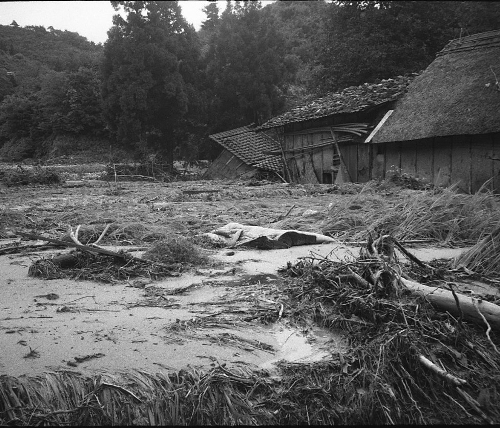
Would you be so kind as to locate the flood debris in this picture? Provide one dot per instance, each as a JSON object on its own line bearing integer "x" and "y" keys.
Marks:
{"x": 407, "y": 362}
{"x": 442, "y": 215}
{"x": 164, "y": 258}
{"x": 79, "y": 360}
{"x": 236, "y": 235}
{"x": 101, "y": 268}
{"x": 33, "y": 353}
{"x": 175, "y": 250}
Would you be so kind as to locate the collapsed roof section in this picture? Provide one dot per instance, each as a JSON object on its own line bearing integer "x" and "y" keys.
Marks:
{"x": 249, "y": 146}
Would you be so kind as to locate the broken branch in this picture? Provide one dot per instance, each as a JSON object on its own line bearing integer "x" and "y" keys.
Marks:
{"x": 439, "y": 371}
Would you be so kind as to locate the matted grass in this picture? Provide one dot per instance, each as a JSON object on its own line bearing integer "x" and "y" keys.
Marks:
{"x": 217, "y": 397}
{"x": 444, "y": 216}
{"x": 102, "y": 268}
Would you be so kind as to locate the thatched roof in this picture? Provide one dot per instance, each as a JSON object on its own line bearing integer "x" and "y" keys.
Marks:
{"x": 350, "y": 100}
{"x": 458, "y": 94}
{"x": 249, "y": 146}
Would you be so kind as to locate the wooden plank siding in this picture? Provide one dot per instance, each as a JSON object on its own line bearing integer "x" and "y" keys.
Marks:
{"x": 408, "y": 152}
{"x": 307, "y": 165}
{"x": 460, "y": 163}
{"x": 442, "y": 155}
{"x": 425, "y": 159}
{"x": 364, "y": 159}
{"x": 227, "y": 166}
{"x": 466, "y": 160}
{"x": 392, "y": 157}
{"x": 495, "y": 141}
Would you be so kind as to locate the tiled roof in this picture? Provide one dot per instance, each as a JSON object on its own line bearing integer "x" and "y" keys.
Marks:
{"x": 250, "y": 146}
{"x": 350, "y": 100}
{"x": 271, "y": 163}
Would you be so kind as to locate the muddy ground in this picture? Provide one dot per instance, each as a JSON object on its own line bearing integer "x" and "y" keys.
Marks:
{"x": 203, "y": 316}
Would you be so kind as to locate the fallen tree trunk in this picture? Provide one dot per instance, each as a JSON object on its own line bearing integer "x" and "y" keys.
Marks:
{"x": 445, "y": 300}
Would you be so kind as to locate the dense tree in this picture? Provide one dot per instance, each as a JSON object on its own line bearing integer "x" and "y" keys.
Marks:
{"x": 368, "y": 40}
{"x": 146, "y": 60}
{"x": 212, "y": 13}
{"x": 244, "y": 66}
{"x": 301, "y": 24}
{"x": 166, "y": 88}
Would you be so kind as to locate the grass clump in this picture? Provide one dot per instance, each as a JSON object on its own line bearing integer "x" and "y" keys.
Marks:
{"x": 175, "y": 249}
{"x": 484, "y": 256}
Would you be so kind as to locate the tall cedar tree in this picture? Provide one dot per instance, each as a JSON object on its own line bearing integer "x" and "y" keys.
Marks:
{"x": 244, "y": 66}
{"x": 147, "y": 59}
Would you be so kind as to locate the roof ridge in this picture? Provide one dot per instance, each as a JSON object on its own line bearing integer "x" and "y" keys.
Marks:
{"x": 479, "y": 40}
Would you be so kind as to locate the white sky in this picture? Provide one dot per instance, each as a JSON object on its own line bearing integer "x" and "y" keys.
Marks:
{"x": 91, "y": 19}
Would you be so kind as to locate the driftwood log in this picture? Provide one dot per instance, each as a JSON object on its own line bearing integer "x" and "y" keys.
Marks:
{"x": 469, "y": 306}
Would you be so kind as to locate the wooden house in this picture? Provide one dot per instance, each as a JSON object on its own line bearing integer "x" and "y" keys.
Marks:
{"x": 446, "y": 129}
{"x": 321, "y": 141}
{"x": 244, "y": 155}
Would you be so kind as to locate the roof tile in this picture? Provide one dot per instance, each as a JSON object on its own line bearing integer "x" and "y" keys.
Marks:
{"x": 350, "y": 100}
{"x": 249, "y": 146}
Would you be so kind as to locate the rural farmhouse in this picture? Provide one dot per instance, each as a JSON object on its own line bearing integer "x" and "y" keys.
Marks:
{"x": 446, "y": 128}
{"x": 322, "y": 141}
{"x": 442, "y": 125}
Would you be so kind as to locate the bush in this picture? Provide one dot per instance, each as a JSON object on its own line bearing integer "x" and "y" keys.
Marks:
{"x": 17, "y": 149}
{"x": 24, "y": 176}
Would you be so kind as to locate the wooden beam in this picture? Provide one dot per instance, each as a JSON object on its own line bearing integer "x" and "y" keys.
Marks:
{"x": 372, "y": 134}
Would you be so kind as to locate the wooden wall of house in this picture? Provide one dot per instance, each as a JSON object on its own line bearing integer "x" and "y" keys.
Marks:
{"x": 321, "y": 165}
{"x": 307, "y": 165}
{"x": 466, "y": 160}
{"x": 228, "y": 166}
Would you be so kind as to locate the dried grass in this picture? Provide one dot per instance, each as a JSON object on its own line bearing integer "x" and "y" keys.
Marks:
{"x": 176, "y": 249}
{"x": 484, "y": 256}
{"x": 218, "y": 397}
{"x": 444, "y": 216}
{"x": 101, "y": 268}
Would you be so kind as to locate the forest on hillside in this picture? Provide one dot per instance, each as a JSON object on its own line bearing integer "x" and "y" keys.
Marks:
{"x": 158, "y": 87}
